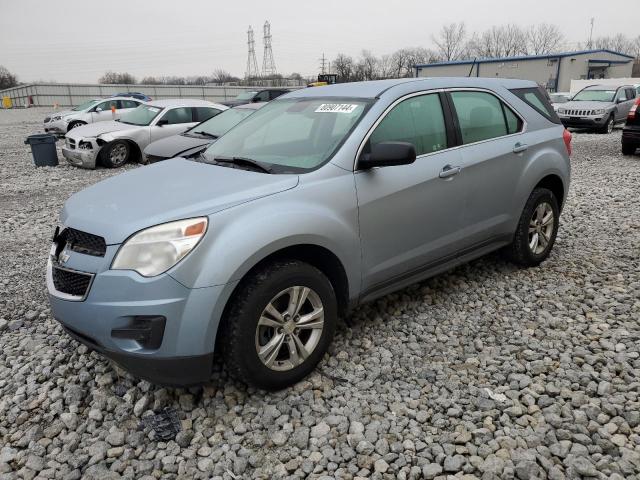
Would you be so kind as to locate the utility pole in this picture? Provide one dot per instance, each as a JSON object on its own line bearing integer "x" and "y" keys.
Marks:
{"x": 590, "y": 44}
{"x": 268, "y": 64}
{"x": 252, "y": 64}
{"x": 323, "y": 63}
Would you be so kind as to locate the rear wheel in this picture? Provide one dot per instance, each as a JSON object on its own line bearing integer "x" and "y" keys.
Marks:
{"x": 628, "y": 148}
{"x": 279, "y": 325}
{"x": 116, "y": 154}
{"x": 537, "y": 229}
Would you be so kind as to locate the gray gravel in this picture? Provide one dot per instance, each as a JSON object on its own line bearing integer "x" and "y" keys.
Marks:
{"x": 484, "y": 372}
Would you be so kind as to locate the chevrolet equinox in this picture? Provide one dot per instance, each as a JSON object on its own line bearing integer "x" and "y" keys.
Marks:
{"x": 323, "y": 199}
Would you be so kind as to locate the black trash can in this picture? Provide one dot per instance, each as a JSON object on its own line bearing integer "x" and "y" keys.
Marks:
{"x": 43, "y": 149}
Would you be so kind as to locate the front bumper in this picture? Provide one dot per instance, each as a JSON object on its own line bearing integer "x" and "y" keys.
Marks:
{"x": 59, "y": 127}
{"x": 84, "y": 158}
{"x": 119, "y": 301}
{"x": 584, "y": 122}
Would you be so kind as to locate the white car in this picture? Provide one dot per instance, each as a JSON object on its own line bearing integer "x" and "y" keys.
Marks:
{"x": 96, "y": 110}
{"x": 118, "y": 141}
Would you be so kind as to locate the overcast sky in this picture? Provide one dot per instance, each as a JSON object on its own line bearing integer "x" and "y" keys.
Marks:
{"x": 78, "y": 40}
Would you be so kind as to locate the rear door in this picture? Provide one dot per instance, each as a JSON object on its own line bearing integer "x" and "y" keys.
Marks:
{"x": 494, "y": 151}
{"x": 409, "y": 215}
{"x": 624, "y": 101}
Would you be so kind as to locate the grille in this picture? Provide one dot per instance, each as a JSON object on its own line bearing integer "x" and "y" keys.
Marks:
{"x": 83, "y": 242}
{"x": 70, "y": 282}
{"x": 71, "y": 143}
{"x": 579, "y": 113}
{"x": 47, "y": 119}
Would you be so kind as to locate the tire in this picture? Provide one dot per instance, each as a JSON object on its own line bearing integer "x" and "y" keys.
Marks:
{"x": 116, "y": 154}
{"x": 608, "y": 127}
{"x": 628, "y": 148}
{"x": 248, "y": 327}
{"x": 521, "y": 250}
{"x": 76, "y": 124}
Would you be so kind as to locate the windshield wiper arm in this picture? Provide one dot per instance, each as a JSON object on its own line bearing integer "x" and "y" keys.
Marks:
{"x": 206, "y": 134}
{"x": 248, "y": 162}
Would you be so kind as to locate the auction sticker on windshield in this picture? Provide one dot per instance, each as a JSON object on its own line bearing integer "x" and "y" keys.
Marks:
{"x": 336, "y": 108}
{"x": 154, "y": 109}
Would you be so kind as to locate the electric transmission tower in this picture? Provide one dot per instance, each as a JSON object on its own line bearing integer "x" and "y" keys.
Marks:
{"x": 252, "y": 63}
{"x": 268, "y": 64}
{"x": 323, "y": 63}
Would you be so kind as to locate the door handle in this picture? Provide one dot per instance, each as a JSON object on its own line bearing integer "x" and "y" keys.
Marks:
{"x": 449, "y": 171}
{"x": 520, "y": 147}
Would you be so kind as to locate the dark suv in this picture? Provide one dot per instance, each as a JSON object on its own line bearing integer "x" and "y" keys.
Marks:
{"x": 254, "y": 96}
{"x": 631, "y": 130}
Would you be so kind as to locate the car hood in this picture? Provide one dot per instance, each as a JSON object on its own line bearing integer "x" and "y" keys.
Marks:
{"x": 175, "y": 145}
{"x": 99, "y": 128}
{"x": 63, "y": 113}
{"x": 584, "y": 105}
{"x": 175, "y": 189}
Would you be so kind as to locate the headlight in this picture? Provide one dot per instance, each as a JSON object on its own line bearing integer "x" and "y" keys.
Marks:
{"x": 562, "y": 111}
{"x": 56, "y": 118}
{"x": 155, "y": 250}
{"x": 599, "y": 111}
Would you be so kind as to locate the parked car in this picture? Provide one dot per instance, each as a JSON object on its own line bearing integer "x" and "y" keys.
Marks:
{"x": 254, "y": 96}
{"x": 138, "y": 95}
{"x": 558, "y": 98}
{"x": 598, "y": 107}
{"x": 118, "y": 141}
{"x": 192, "y": 142}
{"x": 631, "y": 130}
{"x": 323, "y": 199}
{"x": 91, "y": 111}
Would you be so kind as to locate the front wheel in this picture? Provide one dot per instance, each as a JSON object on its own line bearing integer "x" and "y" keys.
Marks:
{"x": 73, "y": 125}
{"x": 608, "y": 127}
{"x": 537, "y": 229}
{"x": 116, "y": 154}
{"x": 279, "y": 325}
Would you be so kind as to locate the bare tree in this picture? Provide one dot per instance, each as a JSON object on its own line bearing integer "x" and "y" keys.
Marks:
{"x": 543, "y": 39}
{"x": 451, "y": 41}
{"x": 386, "y": 67}
{"x": 117, "y": 78}
{"x": 221, "y": 76}
{"x": 618, "y": 43}
{"x": 499, "y": 41}
{"x": 344, "y": 67}
{"x": 150, "y": 80}
{"x": 368, "y": 65}
{"x": 7, "y": 79}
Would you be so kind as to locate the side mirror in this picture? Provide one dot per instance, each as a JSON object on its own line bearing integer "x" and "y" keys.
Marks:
{"x": 98, "y": 109}
{"x": 161, "y": 122}
{"x": 388, "y": 154}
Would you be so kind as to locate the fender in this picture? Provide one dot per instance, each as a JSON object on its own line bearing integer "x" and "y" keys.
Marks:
{"x": 240, "y": 237}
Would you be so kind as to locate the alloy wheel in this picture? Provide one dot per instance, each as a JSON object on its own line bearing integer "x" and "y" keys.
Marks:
{"x": 118, "y": 154}
{"x": 289, "y": 328}
{"x": 541, "y": 227}
{"x": 610, "y": 125}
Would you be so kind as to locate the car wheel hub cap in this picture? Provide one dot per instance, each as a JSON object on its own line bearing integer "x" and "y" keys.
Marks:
{"x": 541, "y": 228}
{"x": 289, "y": 328}
{"x": 118, "y": 153}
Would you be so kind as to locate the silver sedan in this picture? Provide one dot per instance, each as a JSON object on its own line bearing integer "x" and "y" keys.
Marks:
{"x": 114, "y": 143}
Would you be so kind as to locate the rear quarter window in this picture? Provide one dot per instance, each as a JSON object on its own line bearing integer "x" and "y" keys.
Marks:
{"x": 537, "y": 99}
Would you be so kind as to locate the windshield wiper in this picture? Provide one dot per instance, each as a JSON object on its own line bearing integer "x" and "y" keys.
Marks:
{"x": 206, "y": 134}
{"x": 243, "y": 161}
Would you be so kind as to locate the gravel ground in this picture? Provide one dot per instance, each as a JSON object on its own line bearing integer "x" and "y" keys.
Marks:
{"x": 484, "y": 372}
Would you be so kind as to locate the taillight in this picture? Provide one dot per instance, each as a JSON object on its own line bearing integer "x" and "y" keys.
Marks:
{"x": 632, "y": 112}
{"x": 566, "y": 136}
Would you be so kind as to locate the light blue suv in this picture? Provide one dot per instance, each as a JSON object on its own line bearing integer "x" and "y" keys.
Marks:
{"x": 323, "y": 199}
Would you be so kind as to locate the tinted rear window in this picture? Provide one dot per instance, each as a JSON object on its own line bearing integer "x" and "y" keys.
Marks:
{"x": 537, "y": 99}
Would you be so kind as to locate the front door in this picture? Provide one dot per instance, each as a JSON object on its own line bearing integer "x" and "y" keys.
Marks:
{"x": 409, "y": 215}
{"x": 102, "y": 111}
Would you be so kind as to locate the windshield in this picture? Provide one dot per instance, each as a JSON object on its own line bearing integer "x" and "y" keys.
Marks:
{"x": 222, "y": 123}
{"x": 85, "y": 105}
{"x": 246, "y": 95}
{"x": 559, "y": 98}
{"x": 292, "y": 135}
{"x": 142, "y": 115}
{"x": 595, "y": 96}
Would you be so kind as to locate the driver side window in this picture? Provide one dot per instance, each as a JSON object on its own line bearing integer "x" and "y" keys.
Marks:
{"x": 178, "y": 115}
{"x": 106, "y": 106}
{"x": 416, "y": 120}
{"x": 622, "y": 95}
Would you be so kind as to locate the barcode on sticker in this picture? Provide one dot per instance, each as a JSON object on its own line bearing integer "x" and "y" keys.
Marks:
{"x": 336, "y": 108}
